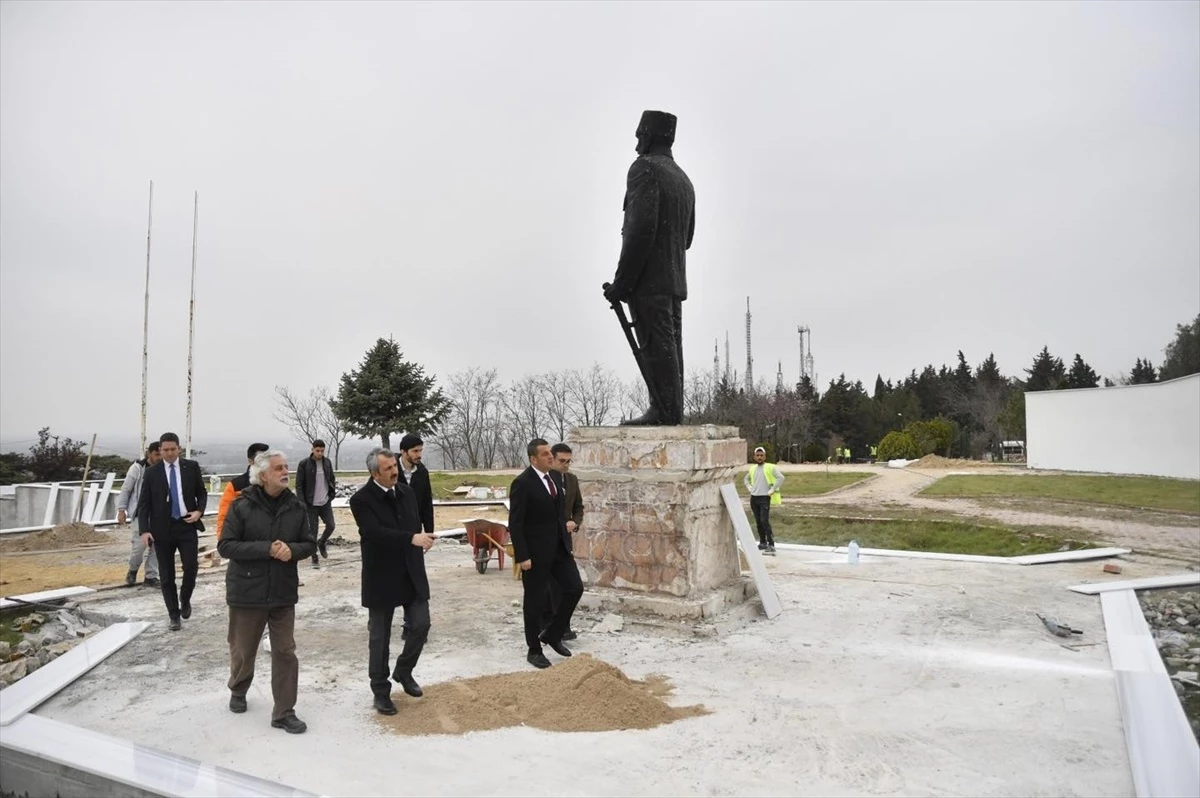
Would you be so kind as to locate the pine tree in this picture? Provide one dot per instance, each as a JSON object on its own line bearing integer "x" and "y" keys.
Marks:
{"x": 1183, "y": 354}
{"x": 1143, "y": 373}
{"x": 1047, "y": 372}
{"x": 1082, "y": 375}
{"x": 387, "y": 394}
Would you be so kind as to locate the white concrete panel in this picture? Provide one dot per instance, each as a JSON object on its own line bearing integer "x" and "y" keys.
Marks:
{"x": 1128, "y": 429}
{"x": 1163, "y": 753}
{"x": 1174, "y": 580}
{"x": 45, "y": 595}
{"x": 766, "y": 591}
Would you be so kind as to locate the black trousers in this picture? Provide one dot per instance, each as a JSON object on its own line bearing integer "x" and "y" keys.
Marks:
{"x": 761, "y": 507}
{"x": 562, "y": 570}
{"x": 658, "y": 322}
{"x": 322, "y": 513}
{"x": 180, "y": 537}
{"x": 379, "y": 635}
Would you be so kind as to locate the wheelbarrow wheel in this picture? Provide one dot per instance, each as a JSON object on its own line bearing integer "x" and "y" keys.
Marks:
{"x": 481, "y": 566}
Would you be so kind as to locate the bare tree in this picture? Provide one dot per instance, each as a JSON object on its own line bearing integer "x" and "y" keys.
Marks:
{"x": 698, "y": 392}
{"x": 311, "y": 417}
{"x": 634, "y": 399}
{"x": 591, "y": 395}
{"x": 557, "y": 397}
{"x": 470, "y": 436}
{"x": 524, "y": 417}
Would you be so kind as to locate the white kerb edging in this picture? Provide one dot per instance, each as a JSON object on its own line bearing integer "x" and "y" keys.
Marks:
{"x": 47, "y": 680}
{"x": 1149, "y": 583}
{"x": 45, "y": 595}
{"x": 766, "y": 591}
{"x": 1024, "y": 559}
{"x": 1163, "y": 753}
{"x": 141, "y": 767}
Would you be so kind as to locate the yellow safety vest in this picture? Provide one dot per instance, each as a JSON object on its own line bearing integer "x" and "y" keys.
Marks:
{"x": 776, "y": 498}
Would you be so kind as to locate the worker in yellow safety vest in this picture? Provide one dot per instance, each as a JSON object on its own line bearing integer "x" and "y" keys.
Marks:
{"x": 764, "y": 481}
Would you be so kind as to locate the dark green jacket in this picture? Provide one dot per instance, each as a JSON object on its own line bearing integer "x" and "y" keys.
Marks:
{"x": 253, "y": 577}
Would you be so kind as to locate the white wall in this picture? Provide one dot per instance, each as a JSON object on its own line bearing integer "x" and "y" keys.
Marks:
{"x": 1128, "y": 429}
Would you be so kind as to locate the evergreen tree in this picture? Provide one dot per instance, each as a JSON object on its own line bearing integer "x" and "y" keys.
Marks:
{"x": 1183, "y": 354}
{"x": 988, "y": 373}
{"x": 1143, "y": 373}
{"x": 1047, "y": 373}
{"x": 387, "y": 394}
{"x": 1081, "y": 375}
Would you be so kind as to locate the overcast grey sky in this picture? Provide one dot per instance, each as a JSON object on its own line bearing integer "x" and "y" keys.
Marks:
{"x": 907, "y": 179}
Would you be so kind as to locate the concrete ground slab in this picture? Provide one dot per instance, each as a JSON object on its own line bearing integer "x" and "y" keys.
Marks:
{"x": 893, "y": 677}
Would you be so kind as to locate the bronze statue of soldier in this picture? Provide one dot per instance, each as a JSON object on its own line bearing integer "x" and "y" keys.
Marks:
{"x": 660, "y": 218}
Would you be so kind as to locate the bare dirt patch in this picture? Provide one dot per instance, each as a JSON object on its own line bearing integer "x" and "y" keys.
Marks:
{"x": 581, "y": 694}
{"x": 63, "y": 536}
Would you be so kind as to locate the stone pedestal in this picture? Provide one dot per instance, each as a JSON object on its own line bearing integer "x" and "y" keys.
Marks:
{"x": 656, "y": 537}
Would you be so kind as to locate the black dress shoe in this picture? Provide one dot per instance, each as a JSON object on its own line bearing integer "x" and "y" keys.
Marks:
{"x": 176, "y": 624}
{"x": 558, "y": 647}
{"x": 185, "y": 611}
{"x": 290, "y": 724}
{"x": 384, "y": 705}
{"x": 537, "y": 659}
{"x": 569, "y": 634}
{"x": 404, "y": 679}
{"x": 237, "y": 703}
{"x": 152, "y": 581}
{"x": 324, "y": 551}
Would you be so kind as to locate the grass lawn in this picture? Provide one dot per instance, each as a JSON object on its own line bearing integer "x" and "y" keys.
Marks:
{"x": 809, "y": 483}
{"x": 949, "y": 537}
{"x": 1179, "y": 495}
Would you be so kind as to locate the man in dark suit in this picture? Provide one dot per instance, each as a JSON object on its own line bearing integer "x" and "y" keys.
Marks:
{"x": 574, "y": 506}
{"x": 414, "y": 474}
{"x": 393, "y": 574}
{"x": 542, "y": 550}
{"x": 172, "y": 501}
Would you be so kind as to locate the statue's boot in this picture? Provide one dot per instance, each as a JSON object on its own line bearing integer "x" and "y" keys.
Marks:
{"x": 648, "y": 419}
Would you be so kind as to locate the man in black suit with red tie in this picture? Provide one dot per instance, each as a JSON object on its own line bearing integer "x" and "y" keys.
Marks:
{"x": 172, "y": 501}
{"x": 537, "y": 523}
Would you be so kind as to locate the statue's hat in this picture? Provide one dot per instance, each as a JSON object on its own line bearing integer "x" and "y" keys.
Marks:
{"x": 657, "y": 123}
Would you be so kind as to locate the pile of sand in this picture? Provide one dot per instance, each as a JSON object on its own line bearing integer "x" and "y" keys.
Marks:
{"x": 578, "y": 694}
{"x": 937, "y": 461}
{"x": 63, "y": 536}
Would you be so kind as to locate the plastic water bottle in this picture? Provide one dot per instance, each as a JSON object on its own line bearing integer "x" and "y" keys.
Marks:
{"x": 852, "y": 552}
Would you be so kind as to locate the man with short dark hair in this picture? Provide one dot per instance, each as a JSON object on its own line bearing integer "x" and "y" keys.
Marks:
{"x": 393, "y": 574}
{"x": 416, "y": 476}
{"x": 542, "y": 550}
{"x": 315, "y": 487}
{"x": 574, "y": 507}
{"x": 170, "y": 506}
{"x": 131, "y": 490}
{"x": 236, "y": 485}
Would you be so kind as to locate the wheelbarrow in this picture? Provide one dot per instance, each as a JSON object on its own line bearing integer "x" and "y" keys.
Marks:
{"x": 488, "y": 539}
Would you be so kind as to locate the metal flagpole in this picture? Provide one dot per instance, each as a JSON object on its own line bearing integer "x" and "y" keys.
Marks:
{"x": 192, "y": 325}
{"x": 146, "y": 319}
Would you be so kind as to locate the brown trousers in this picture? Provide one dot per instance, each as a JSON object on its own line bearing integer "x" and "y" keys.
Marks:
{"x": 246, "y": 626}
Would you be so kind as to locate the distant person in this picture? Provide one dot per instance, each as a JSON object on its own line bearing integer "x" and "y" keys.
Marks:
{"x": 393, "y": 574}
{"x": 542, "y": 550}
{"x": 315, "y": 486}
{"x": 764, "y": 482}
{"x": 131, "y": 490}
{"x": 236, "y": 485}
{"x": 267, "y": 530}
{"x": 172, "y": 501}
{"x": 574, "y": 509}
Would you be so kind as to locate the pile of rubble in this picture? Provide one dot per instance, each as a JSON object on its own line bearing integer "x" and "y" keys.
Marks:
{"x": 344, "y": 490}
{"x": 1174, "y": 619}
{"x": 46, "y": 636}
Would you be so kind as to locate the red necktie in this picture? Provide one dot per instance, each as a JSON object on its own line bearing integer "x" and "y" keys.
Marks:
{"x": 553, "y": 492}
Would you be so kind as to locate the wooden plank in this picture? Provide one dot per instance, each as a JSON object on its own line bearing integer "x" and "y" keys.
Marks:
{"x": 47, "y": 680}
{"x": 1163, "y": 753}
{"x": 758, "y": 569}
{"x": 1175, "y": 580}
{"x": 45, "y": 595}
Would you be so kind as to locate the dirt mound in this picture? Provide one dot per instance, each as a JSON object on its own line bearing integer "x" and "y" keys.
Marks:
{"x": 578, "y": 694}
{"x": 937, "y": 461}
{"x": 63, "y": 536}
